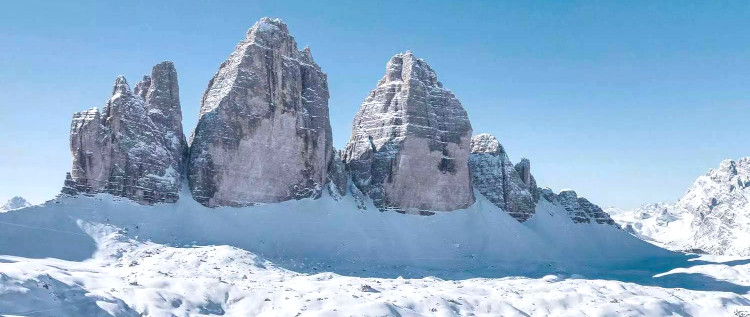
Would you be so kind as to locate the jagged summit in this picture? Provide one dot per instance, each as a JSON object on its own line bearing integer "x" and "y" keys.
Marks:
{"x": 486, "y": 143}
{"x": 264, "y": 136}
{"x": 263, "y": 132}
{"x": 15, "y": 203}
{"x": 410, "y": 142}
{"x": 135, "y": 146}
{"x": 495, "y": 177}
{"x": 268, "y": 25}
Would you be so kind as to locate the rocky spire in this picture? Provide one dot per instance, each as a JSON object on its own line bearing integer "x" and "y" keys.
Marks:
{"x": 495, "y": 177}
{"x": 263, "y": 132}
{"x": 163, "y": 103}
{"x": 123, "y": 150}
{"x": 523, "y": 168}
{"x": 141, "y": 88}
{"x": 410, "y": 142}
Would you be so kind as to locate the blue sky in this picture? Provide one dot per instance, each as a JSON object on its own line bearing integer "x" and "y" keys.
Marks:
{"x": 625, "y": 102}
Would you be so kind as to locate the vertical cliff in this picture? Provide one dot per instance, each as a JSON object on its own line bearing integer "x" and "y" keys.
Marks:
{"x": 134, "y": 147}
{"x": 263, "y": 132}
{"x": 410, "y": 142}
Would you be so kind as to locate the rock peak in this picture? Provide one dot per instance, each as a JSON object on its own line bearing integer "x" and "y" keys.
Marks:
{"x": 268, "y": 25}
{"x": 486, "y": 143}
{"x": 120, "y": 86}
{"x": 263, "y": 132}
{"x": 728, "y": 166}
{"x": 135, "y": 148}
{"x": 406, "y": 67}
{"x": 15, "y": 203}
{"x": 165, "y": 65}
{"x": 410, "y": 142}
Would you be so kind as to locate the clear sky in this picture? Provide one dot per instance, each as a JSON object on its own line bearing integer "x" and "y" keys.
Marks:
{"x": 626, "y": 102}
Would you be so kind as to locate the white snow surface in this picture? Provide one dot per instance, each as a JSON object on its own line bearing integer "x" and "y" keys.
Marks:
{"x": 104, "y": 256}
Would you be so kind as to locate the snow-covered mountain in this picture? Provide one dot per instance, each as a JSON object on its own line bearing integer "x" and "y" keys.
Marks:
{"x": 259, "y": 215}
{"x": 16, "y": 202}
{"x": 712, "y": 217}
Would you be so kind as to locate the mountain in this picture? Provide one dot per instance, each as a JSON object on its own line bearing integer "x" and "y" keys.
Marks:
{"x": 712, "y": 217}
{"x": 134, "y": 147}
{"x": 16, "y": 202}
{"x": 415, "y": 217}
{"x": 264, "y": 136}
{"x": 509, "y": 187}
{"x": 263, "y": 133}
{"x": 410, "y": 142}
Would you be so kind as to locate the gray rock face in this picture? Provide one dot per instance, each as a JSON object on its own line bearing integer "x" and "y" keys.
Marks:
{"x": 134, "y": 147}
{"x": 410, "y": 140}
{"x": 337, "y": 178}
{"x": 524, "y": 171}
{"x": 263, "y": 132}
{"x": 495, "y": 177}
{"x": 16, "y": 202}
{"x": 580, "y": 209}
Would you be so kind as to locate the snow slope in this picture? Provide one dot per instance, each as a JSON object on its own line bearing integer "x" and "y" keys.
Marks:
{"x": 101, "y": 256}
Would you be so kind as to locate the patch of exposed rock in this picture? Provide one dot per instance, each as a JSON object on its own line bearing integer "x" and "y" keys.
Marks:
{"x": 337, "y": 176}
{"x": 579, "y": 209}
{"x": 134, "y": 147}
{"x": 494, "y": 176}
{"x": 263, "y": 132}
{"x": 410, "y": 140}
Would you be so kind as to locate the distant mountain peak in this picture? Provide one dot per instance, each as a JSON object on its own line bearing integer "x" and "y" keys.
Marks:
{"x": 16, "y": 202}
{"x": 713, "y": 216}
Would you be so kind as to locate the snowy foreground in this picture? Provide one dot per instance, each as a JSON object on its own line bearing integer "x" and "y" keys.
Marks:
{"x": 100, "y": 256}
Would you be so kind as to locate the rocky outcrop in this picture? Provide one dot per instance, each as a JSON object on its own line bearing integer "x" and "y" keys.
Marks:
{"x": 410, "y": 142}
{"x": 16, "y": 202}
{"x": 495, "y": 177}
{"x": 523, "y": 168}
{"x": 263, "y": 132}
{"x": 337, "y": 177}
{"x": 134, "y": 147}
{"x": 579, "y": 209}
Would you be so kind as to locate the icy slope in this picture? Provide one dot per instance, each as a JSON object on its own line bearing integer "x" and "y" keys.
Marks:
{"x": 327, "y": 258}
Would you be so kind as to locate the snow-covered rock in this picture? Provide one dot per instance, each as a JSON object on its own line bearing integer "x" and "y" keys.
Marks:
{"x": 713, "y": 216}
{"x": 16, "y": 202}
{"x": 134, "y": 147}
{"x": 495, "y": 177}
{"x": 579, "y": 209}
{"x": 410, "y": 142}
{"x": 263, "y": 132}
